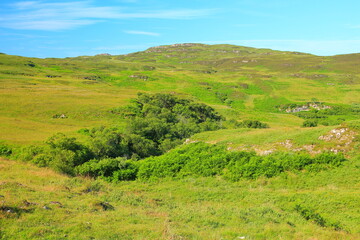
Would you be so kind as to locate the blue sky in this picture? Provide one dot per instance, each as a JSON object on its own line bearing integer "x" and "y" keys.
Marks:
{"x": 62, "y": 28}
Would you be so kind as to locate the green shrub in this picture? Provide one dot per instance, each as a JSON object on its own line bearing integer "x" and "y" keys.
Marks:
{"x": 253, "y": 124}
{"x": 99, "y": 167}
{"x": 106, "y": 142}
{"x": 111, "y": 169}
{"x": 5, "y": 150}
{"x": 201, "y": 159}
{"x": 27, "y": 153}
{"x": 310, "y": 123}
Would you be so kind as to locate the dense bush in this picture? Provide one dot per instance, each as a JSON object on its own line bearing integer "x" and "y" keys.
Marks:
{"x": 161, "y": 117}
{"x": 111, "y": 169}
{"x": 5, "y": 150}
{"x": 201, "y": 159}
{"x": 253, "y": 124}
{"x": 310, "y": 123}
{"x": 156, "y": 124}
{"x": 232, "y": 123}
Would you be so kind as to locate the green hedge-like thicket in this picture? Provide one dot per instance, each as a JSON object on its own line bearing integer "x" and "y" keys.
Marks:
{"x": 201, "y": 159}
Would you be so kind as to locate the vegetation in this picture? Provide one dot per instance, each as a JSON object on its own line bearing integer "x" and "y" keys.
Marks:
{"x": 200, "y": 159}
{"x": 44, "y": 204}
{"x": 156, "y": 124}
{"x": 310, "y": 123}
{"x": 122, "y": 155}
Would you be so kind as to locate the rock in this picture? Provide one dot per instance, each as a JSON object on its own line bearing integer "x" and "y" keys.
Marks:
{"x": 105, "y": 206}
{"x": 57, "y": 203}
{"x": 27, "y": 203}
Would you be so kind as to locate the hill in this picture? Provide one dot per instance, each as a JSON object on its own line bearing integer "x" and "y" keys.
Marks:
{"x": 267, "y": 145}
{"x": 237, "y": 81}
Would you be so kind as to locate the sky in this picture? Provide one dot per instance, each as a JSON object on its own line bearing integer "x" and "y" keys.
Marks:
{"x": 63, "y": 28}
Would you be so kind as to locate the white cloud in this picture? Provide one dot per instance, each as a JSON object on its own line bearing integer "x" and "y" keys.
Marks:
{"x": 49, "y": 25}
{"x": 143, "y": 33}
{"x": 36, "y": 15}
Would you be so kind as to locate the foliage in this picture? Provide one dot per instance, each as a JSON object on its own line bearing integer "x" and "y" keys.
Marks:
{"x": 310, "y": 123}
{"x": 310, "y": 215}
{"x": 59, "y": 152}
{"x": 5, "y": 150}
{"x": 111, "y": 169}
{"x": 106, "y": 142}
{"x": 197, "y": 207}
{"x": 253, "y": 124}
{"x": 201, "y": 159}
{"x": 157, "y": 123}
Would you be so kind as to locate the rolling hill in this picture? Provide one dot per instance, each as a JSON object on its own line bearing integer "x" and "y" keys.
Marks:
{"x": 285, "y": 91}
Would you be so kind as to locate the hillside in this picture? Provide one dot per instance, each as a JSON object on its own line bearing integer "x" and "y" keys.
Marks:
{"x": 184, "y": 141}
{"x": 239, "y": 82}
{"x": 295, "y": 206}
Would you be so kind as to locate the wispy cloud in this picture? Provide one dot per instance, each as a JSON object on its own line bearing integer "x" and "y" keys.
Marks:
{"x": 40, "y": 15}
{"x": 143, "y": 33}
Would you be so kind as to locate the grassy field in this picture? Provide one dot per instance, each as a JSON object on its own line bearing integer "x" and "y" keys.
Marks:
{"x": 53, "y": 206}
{"x": 40, "y": 97}
{"x": 239, "y": 82}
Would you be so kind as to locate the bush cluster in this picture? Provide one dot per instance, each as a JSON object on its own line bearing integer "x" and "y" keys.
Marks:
{"x": 156, "y": 124}
{"x": 201, "y": 159}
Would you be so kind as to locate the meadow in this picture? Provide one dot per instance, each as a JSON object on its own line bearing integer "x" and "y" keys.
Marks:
{"x": 85, "y": 99}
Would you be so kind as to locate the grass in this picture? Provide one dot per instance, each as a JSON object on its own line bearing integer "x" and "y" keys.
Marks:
{"x": 252, "y": 81}
{"x": 241, "y": 83}
{"x": 191, "y": 208}
{"x": 247, "y": 136}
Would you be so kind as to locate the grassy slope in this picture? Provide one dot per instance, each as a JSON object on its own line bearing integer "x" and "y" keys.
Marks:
{"x": 255, "y": 80}
{"x": 201, "y": 208}
{"x": 239, "y": 82}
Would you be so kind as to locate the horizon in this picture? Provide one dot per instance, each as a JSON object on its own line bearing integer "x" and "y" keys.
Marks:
{"x": 142, "y": 50}
{"x": 64, "y": 28}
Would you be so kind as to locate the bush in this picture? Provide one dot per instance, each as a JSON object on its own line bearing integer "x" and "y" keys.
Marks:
{"x": 99, "y": 167}
{"x": 106, "y": 142}
{"x": 253, "y": 124}
{"x": 309, "y": 123}
{"x": 5, "y": 150}
{"x": 201, "y": 159}
{"x": 111, "y": 169}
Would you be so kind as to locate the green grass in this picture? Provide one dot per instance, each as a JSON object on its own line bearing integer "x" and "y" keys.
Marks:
{"x": 246, "y": 136}
{"x": 241, "y": 83}
{"x": 191, "y": 208}
{"x": 251, "y": 81}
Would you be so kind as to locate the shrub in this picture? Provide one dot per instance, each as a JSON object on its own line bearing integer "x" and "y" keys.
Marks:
{"x": 5, "y": 150}
{"x": 201, "y": 159}
{"x": 310, "y": 123}
{"x": 111, "y": 169}
{"x": 253, "y": 124}
{"x": 106, "y": 142}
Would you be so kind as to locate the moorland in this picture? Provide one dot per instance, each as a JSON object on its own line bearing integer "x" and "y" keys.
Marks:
{"x": 184, "y": 141}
